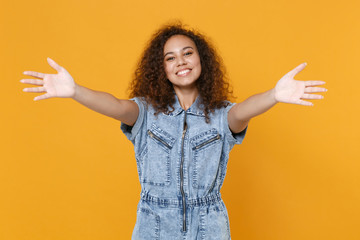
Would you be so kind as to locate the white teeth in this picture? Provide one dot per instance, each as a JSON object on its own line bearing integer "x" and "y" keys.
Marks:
{"x": 183, "y": 72}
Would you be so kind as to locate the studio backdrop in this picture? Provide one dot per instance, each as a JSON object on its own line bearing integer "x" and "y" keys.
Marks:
{"x": 67, "y": 172}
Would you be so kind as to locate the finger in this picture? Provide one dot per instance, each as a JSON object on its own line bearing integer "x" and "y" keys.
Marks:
{"x": 296, "y": 70}
{"x": 32, "y": 81}
{"x": 312, "y": 96}
{"x": 34, "y": 74}
{"x": 53, "y": 64}
{"x": 35, "y": 89}
{"x": 314, "y": 83}
{"x": 41, "y": 97}
{"x": 315, "y": 89}
{"x": 305, "y": 103}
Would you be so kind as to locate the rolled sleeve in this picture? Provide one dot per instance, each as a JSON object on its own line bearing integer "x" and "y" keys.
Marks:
{"x": 233, "y": 138}
{"x": 131, "y": 131}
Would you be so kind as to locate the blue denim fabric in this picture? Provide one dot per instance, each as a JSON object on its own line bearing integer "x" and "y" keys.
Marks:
{"x": 181, "y": 172}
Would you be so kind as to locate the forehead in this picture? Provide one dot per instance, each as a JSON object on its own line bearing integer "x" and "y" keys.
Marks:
{"x": 177, "y": 43}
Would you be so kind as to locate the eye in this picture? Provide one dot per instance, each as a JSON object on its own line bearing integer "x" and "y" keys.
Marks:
{"x": 170, "y": 58}
{"x": 188, "y": 53}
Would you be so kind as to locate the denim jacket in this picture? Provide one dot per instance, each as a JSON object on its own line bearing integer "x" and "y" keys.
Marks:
{"x": 181, "y": 158}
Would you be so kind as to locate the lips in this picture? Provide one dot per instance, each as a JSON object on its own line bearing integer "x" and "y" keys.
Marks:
{"x": 183, "y": 72}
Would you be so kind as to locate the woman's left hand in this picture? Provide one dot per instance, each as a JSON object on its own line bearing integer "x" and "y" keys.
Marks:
{"x": 289, "y": 90}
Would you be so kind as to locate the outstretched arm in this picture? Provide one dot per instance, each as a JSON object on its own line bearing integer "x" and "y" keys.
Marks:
{"x": 62, "y": 85}
{"x": 287, "y": 90}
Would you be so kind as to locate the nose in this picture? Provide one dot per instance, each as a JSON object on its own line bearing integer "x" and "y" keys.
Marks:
{"x": 181, "y": 61}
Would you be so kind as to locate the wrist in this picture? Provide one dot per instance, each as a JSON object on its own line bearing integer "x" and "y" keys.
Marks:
{"x": 76, "y": 91}
{"x": 272, "y": 94}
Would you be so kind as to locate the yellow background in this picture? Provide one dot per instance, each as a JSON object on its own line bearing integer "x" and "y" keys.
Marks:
{"x": 69, "y": 173}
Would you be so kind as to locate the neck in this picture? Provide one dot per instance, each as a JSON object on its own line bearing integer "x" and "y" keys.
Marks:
{"x": 186, "y": 97}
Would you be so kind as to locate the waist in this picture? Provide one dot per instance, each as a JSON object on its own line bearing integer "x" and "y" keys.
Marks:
{"x": 175, "y": 203}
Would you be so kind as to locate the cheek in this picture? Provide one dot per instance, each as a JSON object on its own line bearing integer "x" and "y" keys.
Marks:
{"x": 167, "y": 69}
{"x": 199, "y": 66}
{"x": 199, "y": 72}
{"x": 197, "y": 61}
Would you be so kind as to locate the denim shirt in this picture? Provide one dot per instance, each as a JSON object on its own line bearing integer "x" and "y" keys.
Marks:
{"x": 160, "y": 147}
{"x": 181, "y": 162}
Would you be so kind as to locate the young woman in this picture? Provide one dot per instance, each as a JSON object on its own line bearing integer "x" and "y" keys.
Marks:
{"x": 182, "y": 127}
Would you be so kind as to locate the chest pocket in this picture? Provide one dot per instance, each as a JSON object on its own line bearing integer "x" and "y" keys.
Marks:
{"x": 206, "y": 148}
{"x": 156, "y": 157}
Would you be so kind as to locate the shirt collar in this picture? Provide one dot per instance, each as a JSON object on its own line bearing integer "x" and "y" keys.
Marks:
{"x": 194, "y": 109}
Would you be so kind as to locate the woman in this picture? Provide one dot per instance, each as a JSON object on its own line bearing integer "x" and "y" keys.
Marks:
{"x": 182, "y": 127}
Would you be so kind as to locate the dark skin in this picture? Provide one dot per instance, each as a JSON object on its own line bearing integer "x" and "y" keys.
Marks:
{"x": 182, "y": 67}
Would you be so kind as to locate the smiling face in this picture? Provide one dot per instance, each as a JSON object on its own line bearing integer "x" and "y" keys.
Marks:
{"x": 182, "y": 62}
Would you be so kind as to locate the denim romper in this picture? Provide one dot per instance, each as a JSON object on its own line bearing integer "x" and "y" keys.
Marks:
{"x": 181, "y": 162}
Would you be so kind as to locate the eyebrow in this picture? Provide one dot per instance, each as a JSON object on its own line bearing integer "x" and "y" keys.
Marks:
{"x": 173, "y": 52}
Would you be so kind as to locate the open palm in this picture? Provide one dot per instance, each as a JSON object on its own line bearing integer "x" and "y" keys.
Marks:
{"x": 289, "y": 90}
{"x": 53, "y": 85}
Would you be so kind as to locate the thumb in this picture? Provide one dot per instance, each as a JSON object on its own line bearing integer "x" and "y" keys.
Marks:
{"x": 298, "y": 69}
{"x": 53, "y": 64}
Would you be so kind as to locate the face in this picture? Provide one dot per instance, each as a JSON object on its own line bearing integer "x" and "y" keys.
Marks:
{"x": 181, "y": 62}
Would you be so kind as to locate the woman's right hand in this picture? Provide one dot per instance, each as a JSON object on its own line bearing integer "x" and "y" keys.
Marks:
{"x": 53, "y": 85}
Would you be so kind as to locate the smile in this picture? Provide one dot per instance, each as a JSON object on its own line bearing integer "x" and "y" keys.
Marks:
{"x": 183, "y": 72}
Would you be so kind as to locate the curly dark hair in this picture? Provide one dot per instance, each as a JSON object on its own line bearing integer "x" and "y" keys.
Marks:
{"x": 151, "y": 83}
